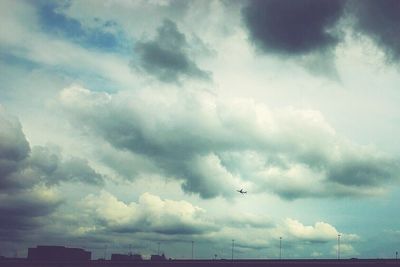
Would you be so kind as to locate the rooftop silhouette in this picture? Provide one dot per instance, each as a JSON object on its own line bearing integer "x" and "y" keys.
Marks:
{"x": 50, "y": 256}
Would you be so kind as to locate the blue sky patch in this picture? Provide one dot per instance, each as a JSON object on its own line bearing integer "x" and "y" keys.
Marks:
{"x": 106, "y": 36}
{"x": 11, "y": 59}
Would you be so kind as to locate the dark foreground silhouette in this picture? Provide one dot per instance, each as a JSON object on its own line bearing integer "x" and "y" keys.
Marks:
{"x": 201, "y": 263}
{"x": 59, "y": 256}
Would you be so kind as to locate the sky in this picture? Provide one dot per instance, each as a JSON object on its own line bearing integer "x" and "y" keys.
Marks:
{"x": 128, "y": 126}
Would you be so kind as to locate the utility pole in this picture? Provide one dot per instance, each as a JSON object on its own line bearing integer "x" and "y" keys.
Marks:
{"x": 397, "y": 254}
{"x": 158, "y": 250}
{"x": 280, "y": 247}
{"x": 105, "y": 252}
{"x": 233, "y": 245}
{"x": 338, "y": 246}
{"x": 192, "y": 249}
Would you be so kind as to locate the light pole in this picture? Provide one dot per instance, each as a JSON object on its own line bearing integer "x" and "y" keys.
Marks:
{"x": 280, "y": 247}
{"x": 233, "y": 245}
{"x": 158, "y": 250}
{"x": 192, "y": 249}
{"x": 397, "y": 254}
{"x": 338, "y": 246}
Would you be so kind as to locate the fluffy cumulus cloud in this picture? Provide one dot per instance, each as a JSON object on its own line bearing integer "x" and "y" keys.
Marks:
{"x": 346, "y": 250}
{"x": 213, "y": 147}
{"x": 27, "y": 177}
{"x": 320, "y": 232}
{"x": 256, "y": 231}
{"x": 135, "y": 153}
{"x": 167, "y": 57}
{"x": 318, "y": 240}
{"x": 149, "y": 214}
{"x": 103, "y": 215}
{"x": 292, "y": 27}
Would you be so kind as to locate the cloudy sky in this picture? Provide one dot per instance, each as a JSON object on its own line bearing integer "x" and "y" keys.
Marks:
{"x": 130, "y": 123}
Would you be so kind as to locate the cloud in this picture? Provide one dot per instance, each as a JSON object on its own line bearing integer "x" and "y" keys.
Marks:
{"x": 247, "y": 220}
{"x": 48, "y": 163}
{"x": 255, "y": 231}
{"x": 166, "y": 57}
{"x": 320, "y": 232}
{"x": 311, "y": 28}
{"x": 13, "y": 145}
{"x": 149, "y": 214}
{"x": 27, "y": 179}
{"x": 380, "y": 21}
{"x": 22, "y": 211}
{"x": 346, "y": 250}
{"x": 291, "y": 28}
{"x": 44, "y": 165}
{"x": 215, "y": 146}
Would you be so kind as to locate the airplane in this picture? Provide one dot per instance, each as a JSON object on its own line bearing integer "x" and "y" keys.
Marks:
{"x": 241, "y": 191}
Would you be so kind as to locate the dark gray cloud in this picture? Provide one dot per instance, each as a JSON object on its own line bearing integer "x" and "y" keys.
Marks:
{"x": 353, "y": 173}
{"x": 48, "y": 163}
{"x": 166, "y": 57}
{"x": 380, "y": 20}
{"x": 22, "y": 212}
{"x": 28, "y": 176}
{"x": 292, "y": 27}
{"x": 214, "y": 147}
{"x": 13, "y": 146}
{"x": 21, "y": 167}
{"x": 364, "y": 171}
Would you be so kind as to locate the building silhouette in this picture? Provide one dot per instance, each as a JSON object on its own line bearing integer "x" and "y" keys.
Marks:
{"x": 58, "y": 253}
{"x": 158, "y": 257}
{"x": 123, "y": 257}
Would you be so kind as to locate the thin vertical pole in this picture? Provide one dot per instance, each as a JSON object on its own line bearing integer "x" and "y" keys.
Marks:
{"x": 338, "y": 243}
{"x": 280, "y": 248}
{"x": 192, "y": 249}
{"x": 158, "y": 250}
{"x": 233, "y": 245}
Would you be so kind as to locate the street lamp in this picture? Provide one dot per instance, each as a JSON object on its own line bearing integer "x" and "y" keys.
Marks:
{"x": 233, "y": 245}
{"x": 280, "y": 247}
{"x": 338, "y": 246}
{"x": 192, "y": 249}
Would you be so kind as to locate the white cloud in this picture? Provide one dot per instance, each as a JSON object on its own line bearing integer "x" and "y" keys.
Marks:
{"x": 149, "y": 214}
{"x": 346, "y": 250}
{"x": 265, "y": 125}
{"x": 198, "y": 137}
{"x": 320, "y": 232}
